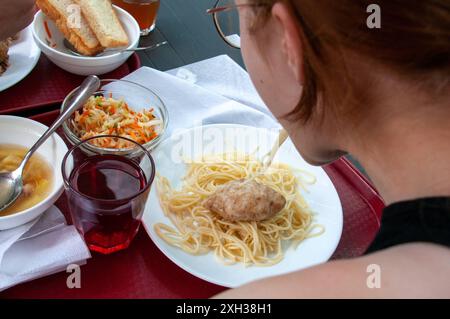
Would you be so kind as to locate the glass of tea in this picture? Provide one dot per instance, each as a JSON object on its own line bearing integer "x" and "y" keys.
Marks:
{"x": 107, "y": 190}
{"x": 144, "y": 11}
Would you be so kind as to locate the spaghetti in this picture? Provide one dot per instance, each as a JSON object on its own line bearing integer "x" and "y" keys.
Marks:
{"x": 199, "y": 231}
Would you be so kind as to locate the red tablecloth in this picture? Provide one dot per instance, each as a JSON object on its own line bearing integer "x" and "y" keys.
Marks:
{"x": 142, "y": 271}
{"x": 48, "y": 84}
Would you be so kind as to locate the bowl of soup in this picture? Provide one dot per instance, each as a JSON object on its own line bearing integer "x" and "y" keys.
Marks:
{"x": 43, "y": 183}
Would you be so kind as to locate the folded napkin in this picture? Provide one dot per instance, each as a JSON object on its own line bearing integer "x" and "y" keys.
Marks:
{"x": 41, "y": 247}
{"x": 221, "y": 75}
{"x": 190, "y": 105}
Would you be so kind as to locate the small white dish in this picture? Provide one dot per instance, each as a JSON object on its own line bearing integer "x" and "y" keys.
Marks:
{"x": 55, "y": 50}
{"x": 216, "y": 139}
{"x": 21, "y": 131}
{"x": 23, "y": 57}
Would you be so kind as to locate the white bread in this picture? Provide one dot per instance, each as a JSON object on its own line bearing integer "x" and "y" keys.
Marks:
{"x": 82, "y": 38}
{"x": 4, "y": 47}
{"x": 104, "y": 22}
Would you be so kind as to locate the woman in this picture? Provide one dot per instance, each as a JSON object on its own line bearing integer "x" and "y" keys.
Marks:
{"x": 381, "y": 94}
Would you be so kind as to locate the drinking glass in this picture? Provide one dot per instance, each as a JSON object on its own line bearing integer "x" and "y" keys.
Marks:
{"x": 107, "y": 190}
{"x": 144, "y": 11}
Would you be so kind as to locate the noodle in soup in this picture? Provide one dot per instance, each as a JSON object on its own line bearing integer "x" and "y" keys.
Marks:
{"x": 37, "y": 177}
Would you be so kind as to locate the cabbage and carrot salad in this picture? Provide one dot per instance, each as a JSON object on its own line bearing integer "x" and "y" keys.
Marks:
{"x": 107, "y": 116}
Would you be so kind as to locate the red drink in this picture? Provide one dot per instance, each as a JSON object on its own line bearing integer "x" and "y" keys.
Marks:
{"x": 111, "y": 180}
{"x": 107, "y": 195}
{"x": 108, "y": 177}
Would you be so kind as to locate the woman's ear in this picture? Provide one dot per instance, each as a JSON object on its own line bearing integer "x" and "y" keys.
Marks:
{"x": 292, "y": 46}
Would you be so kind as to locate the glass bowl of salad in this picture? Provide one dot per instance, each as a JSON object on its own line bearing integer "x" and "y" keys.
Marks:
{"x": 119, "y": 108}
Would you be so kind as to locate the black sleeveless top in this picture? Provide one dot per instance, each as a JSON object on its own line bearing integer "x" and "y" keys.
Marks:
{"x": 420, "y": 220}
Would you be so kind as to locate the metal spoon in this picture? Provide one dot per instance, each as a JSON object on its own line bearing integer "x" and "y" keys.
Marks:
{"x": 74, "y": 51}
{"x": 11, "y": 184}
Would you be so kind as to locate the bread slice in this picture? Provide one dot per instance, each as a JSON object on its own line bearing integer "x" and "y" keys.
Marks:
{"x": 82, "y": 38}
{"x": 4, "y": 47}
{"x": 104, "y": 22}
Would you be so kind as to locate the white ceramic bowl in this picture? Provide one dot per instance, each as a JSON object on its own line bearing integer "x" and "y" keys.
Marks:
{"x": 25, "y": 132}
{"x": 55, "y": 50}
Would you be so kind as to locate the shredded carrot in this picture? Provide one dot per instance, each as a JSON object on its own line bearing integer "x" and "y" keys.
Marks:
{"x": 47, "y": 29}
{"x": 101, "y": 115}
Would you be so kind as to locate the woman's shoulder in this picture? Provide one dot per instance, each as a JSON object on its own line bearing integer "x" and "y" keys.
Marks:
{"x": 414, "y": 270}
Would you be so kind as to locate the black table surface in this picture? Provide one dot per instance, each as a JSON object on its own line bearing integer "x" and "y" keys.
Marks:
{"x": 190, "y": 33}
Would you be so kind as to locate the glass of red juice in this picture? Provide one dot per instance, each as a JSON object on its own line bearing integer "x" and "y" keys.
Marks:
{"x": 107, "y": 190}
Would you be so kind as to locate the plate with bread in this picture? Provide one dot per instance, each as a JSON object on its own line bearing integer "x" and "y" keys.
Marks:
{"x": 95, "y": 29}
{"x": 18, "y": 57}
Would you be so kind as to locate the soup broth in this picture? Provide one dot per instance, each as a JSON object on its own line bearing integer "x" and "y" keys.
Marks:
{"x": 37, "y": 177}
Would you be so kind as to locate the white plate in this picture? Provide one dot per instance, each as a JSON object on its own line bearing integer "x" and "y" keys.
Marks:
{"x": 23, "y": 56}
{"x": 215, "y": 139}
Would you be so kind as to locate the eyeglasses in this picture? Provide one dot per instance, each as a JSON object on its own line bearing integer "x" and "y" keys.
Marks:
{"x": 226, "y": 21}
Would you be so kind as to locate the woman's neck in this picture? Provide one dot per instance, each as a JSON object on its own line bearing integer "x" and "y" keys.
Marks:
{"x": 405, "y": 148}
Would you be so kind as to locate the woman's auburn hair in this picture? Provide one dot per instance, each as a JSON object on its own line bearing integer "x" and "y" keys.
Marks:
{"x": 413, "y": 40}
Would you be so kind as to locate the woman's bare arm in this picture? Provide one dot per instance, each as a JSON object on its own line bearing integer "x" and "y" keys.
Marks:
{"x": 416, "y": 270}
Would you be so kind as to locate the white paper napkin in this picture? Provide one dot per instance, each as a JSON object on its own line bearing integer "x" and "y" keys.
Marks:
{"x": 39, "y": 248}
{"x": 191, "y": 105}
{"x": 221, "y": 75}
